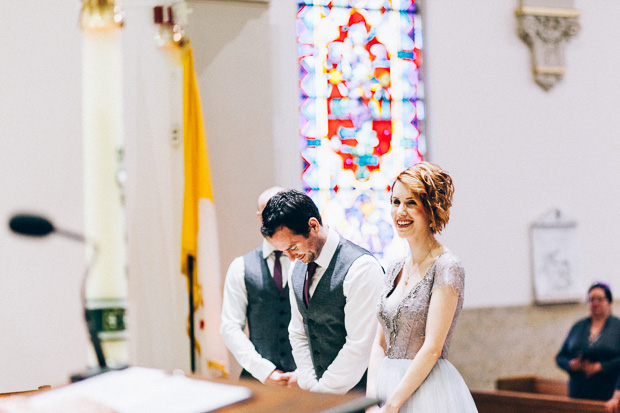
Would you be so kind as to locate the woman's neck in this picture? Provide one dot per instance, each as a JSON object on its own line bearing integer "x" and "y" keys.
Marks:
{"x": 599, "y": 319}
{"x": 422, "y": 248}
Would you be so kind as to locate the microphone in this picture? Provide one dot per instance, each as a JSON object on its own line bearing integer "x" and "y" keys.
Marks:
{"x": 38, "y": 226}
{"x": 32, "y": 225}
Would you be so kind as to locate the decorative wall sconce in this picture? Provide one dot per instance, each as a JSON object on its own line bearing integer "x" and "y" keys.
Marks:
{"x": 100, "y": 14}
{"x": 171, "y": 21}
{"x": 545, "y": 28}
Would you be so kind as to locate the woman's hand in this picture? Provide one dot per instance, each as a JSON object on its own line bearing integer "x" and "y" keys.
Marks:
{"x": 389, "y": 409}
{"x": 575, "y": 364}
{"x": 590, "y": 368}
{"x": 391, "y": 406}
{"x": 612, "y": 405}
{"x": 384, "y": 409}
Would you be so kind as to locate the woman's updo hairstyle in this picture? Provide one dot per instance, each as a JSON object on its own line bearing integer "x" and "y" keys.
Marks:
{"x": 433, "y": 188}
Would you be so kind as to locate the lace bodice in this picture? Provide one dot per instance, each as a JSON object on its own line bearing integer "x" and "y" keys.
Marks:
{"x": 404, "y": 326}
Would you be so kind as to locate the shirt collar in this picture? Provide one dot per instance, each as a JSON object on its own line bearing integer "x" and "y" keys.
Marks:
{"x": 268, "y": 249}
{"x": 329, "y": 249}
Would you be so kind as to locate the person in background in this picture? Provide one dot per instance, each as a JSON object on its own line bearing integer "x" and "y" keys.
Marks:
{"x": 591, "y": 352}
{"x": 256, "y": 290}
{"x": 334, "y": 287}
{"x": 420, "y": 303}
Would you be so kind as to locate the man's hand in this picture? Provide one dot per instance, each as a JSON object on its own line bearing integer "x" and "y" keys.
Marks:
{"x": 277, "y": 378}
{"x": 292, "y": 380}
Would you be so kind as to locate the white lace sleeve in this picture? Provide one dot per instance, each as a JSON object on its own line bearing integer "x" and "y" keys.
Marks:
{"x": 449, "y": 272}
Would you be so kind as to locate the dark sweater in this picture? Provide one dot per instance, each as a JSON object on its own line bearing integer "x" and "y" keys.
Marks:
{"x": 606, "y": 350}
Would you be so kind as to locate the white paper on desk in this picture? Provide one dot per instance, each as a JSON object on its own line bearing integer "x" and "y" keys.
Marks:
{"x": 139, "y": 389}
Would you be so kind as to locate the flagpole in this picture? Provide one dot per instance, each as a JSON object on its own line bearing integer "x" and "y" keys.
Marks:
{"x": 192, "y": 334}
{"x": 209, "y": 356}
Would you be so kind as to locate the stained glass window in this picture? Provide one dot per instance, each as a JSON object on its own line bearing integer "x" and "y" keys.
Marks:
{"x": 361, "y": 111}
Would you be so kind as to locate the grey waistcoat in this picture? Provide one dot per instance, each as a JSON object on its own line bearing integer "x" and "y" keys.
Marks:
{"x": 324, "y": 318}
{"x": 268, "y": 312}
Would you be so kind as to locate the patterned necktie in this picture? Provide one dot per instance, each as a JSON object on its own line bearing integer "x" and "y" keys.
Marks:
{"x": 277, "y": 270}
{"x": 311, "y": 269}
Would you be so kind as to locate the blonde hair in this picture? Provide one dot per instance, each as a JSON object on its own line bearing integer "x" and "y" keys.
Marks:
{"x": 433, "y": 189}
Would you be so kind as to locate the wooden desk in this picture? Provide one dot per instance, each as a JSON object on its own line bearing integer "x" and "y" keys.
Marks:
{"x": 267, "y": 399}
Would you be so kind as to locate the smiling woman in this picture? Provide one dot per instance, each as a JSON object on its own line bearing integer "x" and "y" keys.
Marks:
{"x": 420, "y": 303}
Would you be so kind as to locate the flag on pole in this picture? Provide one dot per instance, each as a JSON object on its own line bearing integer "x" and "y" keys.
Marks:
{"x": 199, "y": 238}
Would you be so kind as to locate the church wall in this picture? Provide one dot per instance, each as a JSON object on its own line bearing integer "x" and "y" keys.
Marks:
{"x": 517, "y": 151}
{"x": 42, "y": 333}
{"x": 490, "y": 343}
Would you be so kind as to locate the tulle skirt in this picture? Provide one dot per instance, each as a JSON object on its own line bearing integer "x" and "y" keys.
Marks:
{"x": 444, "y": 390}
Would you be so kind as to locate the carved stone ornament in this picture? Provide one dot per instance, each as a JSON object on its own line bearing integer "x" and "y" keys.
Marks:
{"x": 546, "y": 30}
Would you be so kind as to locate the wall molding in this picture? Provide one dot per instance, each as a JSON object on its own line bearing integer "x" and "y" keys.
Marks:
{"x": 546, "y": 30}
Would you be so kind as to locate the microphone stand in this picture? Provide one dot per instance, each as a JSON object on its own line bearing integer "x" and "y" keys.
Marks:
{"x": 38, "y": 226}
{"x": 91, "y": 323}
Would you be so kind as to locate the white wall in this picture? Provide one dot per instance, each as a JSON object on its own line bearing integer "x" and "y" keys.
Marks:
{"x": 42, "y": 333}
{"x": 515, "y": 150}
{"x": 246, "y": 62}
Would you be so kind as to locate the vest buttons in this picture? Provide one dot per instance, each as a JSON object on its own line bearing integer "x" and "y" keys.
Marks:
{"x": 313, "y": 337}
{"x": 316, "y": 353}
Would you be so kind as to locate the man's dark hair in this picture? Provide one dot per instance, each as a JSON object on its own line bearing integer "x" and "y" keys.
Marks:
{"x": 292, "y": 209}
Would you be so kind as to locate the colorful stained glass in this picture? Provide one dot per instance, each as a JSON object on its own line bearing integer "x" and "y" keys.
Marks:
{"x": 360, "y": 112}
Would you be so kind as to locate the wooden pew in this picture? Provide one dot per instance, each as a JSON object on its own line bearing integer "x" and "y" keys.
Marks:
{"x": 533, "y": 384}
{"x": 531, "y": 394}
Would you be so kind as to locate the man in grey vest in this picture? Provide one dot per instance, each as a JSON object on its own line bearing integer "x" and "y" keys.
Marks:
{"x": 335, "y": 286}
{"x": 256, "y": 290}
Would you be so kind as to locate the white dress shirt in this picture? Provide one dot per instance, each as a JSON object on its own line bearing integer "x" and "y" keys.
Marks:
{"x": 234, "y": 315}
{"x": 361, "y": 287}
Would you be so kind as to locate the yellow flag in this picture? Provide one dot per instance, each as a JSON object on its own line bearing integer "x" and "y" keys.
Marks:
{"x": 199, "y": 238}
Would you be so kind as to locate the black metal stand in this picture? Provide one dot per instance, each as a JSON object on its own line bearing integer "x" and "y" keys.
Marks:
{"x": 192, "y": 335}
{"x": 94, "y": 339}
